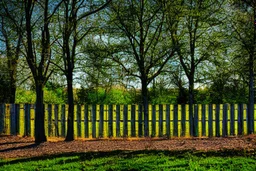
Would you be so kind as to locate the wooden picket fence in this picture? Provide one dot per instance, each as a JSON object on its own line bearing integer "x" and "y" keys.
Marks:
{"x": 113, "y": 121}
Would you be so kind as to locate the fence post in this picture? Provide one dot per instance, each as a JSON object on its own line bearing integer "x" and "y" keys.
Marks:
{"x": 49, "y": 120}
{"x": 160, "y": 120}
{"x": 27, "y": 131}
{"x": 78, "y": 120}
{"x": 63, "y": 120}
{"x": 183, "y": 120}
{"x": 133, "y": 110}
{"x": 240, "y": 119}
{"x": 125, "y": 112}
{"x": 210, "y": 133}
{"x": 140, "y": 112}
{"x": 196, "y": 120}
{"x": 224, "y": 121}
{"x": 175, "y": 120}
{"x": 203, "y": 121}
{"x": 110, "y": 121}
{"x": 13, "y": 119}
{"x": 2, "y": 116}
{"x": 232, "y": 119}
{"x": 101, "y": 122}
{"x": 94, "y": 110}
{"x": 56, "y": 111}
{"x": 86, "y": 124}
{"x": 217, "y": 120}
{"x": 153, "y": 134}
{"x": 168, "y": 121}
{"x": 118, "y": 120}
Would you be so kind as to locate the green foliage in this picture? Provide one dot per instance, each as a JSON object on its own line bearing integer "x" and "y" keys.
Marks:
{"x": 144, "y": 160}
{"x": 118, "y": 96}
{"x": 25, "y": 96}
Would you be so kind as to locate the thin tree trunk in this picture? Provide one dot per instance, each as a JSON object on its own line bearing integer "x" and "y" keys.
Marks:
{"x": 39, "y": 116}
{"x": 70, "y": 131}
{"x": 144, "y": 93}
{"x": 191, "y": 102}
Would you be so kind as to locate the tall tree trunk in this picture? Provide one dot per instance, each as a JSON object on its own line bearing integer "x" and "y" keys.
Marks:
{"x": 144, "y": 94}
{"x": 70, "y": 131}
{"x": 12, "y": 64}
{"x": 191, "y": 109}
{"x": 39, "y": 116}
{"x": 251, "y": 96}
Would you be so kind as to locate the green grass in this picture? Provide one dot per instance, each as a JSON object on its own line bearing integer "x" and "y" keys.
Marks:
{"x": 140, "y": 160}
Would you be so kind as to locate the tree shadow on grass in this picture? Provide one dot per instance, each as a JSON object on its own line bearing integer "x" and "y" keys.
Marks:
{"x": 123, "y": 154}
{"x": 19, "y": 148}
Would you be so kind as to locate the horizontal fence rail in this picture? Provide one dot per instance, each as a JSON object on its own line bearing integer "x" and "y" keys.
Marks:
{"x": 101, "y": 121}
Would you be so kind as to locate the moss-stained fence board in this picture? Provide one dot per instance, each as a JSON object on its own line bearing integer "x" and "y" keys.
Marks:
{"x": 78, "y": 120}
{"x": 175, "y": 120}
{"x": 140, "y": 113}
{"x": 49, "y": 109}
{"x": 217, "y": 120}
{"x": 153, "y": 134}
{"x": 203, "y": 120}
{"x": 56, "y": 111}
{"x": 27, "y": 131}
{"x": 160, "y": 134}
{"x": 63, "y": 120}
{"x": 232, "y": 119}
{"x": 168, "y": 121}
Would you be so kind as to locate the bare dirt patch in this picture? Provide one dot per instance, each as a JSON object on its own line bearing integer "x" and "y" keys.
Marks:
{"x": 24, "y": 147}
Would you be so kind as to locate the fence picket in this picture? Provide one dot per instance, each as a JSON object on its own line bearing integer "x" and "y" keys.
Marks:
{"x": 140, "y": 121}
{"x": 133, "y": 133}
{"x": 86, "y": 122}
{"x": 168, "y": 121}
{"x": 101, "y": 121}
{"x": 210, "y": 130}
{"x": 195, "y": 120}
{"x": 175, "y": 120}
{"x": 14, "y": 122}
{"x": 203, "y": 121}
{"x": 2, "y": 118}
{"x": 162, "y": 122}
{"x": 63, "y": 120}
{"x": 118, "y": 120}
{"x": 93, "y": 119}
{"x": 224, "y": 121}
{"x": 232, "y": 119}
{"x": 240, "y": 119}
{"x": 183, "y": 119}
{"x": 217, "y": 120}
{"x": 153, "y": 134}
{"x": 160, "y": 111}
{"x": 78, "y": 120}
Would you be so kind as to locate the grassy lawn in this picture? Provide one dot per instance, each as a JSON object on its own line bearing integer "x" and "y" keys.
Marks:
{"x": 140, "y": 160}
